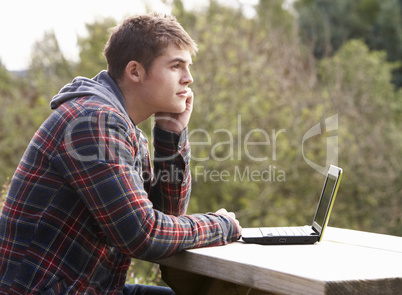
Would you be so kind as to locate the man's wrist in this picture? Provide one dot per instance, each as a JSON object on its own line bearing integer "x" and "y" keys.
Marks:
{"x": 169, "y": 143}
{"x": 169, "y": 124}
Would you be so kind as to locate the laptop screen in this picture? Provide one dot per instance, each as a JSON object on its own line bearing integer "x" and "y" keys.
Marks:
{"x": 325, "y": 201}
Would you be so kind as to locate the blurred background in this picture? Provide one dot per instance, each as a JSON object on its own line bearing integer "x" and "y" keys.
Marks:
{"x": 266, "y": 72}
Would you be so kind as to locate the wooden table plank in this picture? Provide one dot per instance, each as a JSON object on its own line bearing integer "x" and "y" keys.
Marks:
{"x": 239, "y": 263}
{"x": 364, "y": 239}
{"x": 344, "y": 261}
{"x": 186, "y": 283}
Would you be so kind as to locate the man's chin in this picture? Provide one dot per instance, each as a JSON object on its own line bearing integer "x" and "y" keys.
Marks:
{"x": 179, "y": 109}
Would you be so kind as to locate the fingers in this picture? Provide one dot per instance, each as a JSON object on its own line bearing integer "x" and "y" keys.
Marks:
{"x": 190, "y": 100}
{"x": 190, "y": 93}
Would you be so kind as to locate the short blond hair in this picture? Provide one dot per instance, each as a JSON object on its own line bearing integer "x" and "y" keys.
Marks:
{"x": 143, "y": 38}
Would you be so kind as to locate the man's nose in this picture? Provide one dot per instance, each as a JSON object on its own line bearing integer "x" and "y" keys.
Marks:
{"x": 187, "y": 78}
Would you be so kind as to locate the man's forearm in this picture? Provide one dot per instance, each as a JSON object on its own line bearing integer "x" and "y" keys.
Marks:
{"x": 171, "y": 185}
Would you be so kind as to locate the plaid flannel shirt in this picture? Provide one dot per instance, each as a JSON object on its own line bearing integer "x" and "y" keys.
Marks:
{"x": 84, "y": 200}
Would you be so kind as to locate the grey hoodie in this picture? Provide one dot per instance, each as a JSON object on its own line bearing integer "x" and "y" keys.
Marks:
{"x": 102, "y": 85}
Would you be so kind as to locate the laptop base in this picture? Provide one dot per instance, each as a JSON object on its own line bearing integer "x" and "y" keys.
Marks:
{"x": 280, "y": 236}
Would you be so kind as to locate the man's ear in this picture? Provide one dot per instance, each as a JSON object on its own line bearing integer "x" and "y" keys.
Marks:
{"x": 134, "y": 71}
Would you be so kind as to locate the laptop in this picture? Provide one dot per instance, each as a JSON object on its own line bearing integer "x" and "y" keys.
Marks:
{"x": 301, "y": 234}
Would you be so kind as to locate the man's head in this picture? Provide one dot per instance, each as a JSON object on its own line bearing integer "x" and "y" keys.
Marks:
{"x": 143, "y": 38}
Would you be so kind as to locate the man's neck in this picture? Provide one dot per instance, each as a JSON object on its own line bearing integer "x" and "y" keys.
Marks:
{"x": 136, "y": 109}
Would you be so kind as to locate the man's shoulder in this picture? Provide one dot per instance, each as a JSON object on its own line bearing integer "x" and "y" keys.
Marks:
{"x": 86, "y": 104}
{"x": 91, "y": 106}
{"x": 85, "y": 111}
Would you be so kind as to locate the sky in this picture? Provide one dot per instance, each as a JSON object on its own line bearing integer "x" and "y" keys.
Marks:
{"x": 22, "y": 22}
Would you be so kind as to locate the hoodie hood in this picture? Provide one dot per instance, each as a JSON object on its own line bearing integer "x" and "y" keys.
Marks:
{"x": 102, "y": 86}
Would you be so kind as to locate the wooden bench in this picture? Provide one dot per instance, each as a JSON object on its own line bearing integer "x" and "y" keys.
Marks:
{"x": 345, "y": 262}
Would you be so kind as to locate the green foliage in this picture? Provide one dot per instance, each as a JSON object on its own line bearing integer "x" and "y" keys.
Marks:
{"x": 21, "y": 113}
{"x": 3, "y": 192}
{"x": 358, "y": 81}
{"x": 48, "y": 70}
{"x": 91, "y": 47}
{"x": 326, "y": 25}
{"x": 247, "y": 79}
{"x": 144, "y": 272}
{"x": 5, "y": 80}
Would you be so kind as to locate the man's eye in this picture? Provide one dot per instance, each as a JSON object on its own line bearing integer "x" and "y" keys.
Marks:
{"x": 176, "y": 66}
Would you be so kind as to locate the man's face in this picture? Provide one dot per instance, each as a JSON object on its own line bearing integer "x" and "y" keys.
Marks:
{"x": 166, "y": 85}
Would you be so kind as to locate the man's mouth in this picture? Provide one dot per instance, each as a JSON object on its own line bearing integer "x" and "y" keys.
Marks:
{"x": 182, "y": 93}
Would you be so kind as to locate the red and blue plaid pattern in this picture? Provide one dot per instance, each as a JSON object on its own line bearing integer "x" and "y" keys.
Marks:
{"x": 84, "y": 200}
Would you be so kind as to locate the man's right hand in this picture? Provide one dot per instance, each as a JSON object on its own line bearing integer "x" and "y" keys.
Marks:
{"x": 232, "y": 216}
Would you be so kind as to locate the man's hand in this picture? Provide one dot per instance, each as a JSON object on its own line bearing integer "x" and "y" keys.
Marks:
{"x": 232, "y": 216}
{"x": 176, "y": 122}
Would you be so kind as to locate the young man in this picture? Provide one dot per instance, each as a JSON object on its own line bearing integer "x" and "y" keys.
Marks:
{"x": 84, "y": 199}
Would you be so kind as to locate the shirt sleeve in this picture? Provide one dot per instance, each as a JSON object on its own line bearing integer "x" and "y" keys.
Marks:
{"x": 99, "y": 159}
{"x": 171, "y": 186}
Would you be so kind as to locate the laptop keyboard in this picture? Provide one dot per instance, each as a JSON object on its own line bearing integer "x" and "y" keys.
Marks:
{"x": 286, "y": 231}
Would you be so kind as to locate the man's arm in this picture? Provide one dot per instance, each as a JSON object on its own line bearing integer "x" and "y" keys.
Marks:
{"x": 171, "y": 183}
{"x": 170, "y": 191}
{"x": 172, "y": 198}
{"x": 112, "y": 188}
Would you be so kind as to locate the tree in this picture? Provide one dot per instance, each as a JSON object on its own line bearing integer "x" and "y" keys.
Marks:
{"x": 358, "y": 84}
{"x": 49, "y": 70}
{"x": 21, "y": 114}
{"x": 247, "y": 125}
{"x": 326, "y": 25}
{"x": 91, "y": 47}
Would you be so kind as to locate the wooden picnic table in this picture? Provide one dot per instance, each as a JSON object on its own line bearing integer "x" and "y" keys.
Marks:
{"x": 345, "y": 262}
